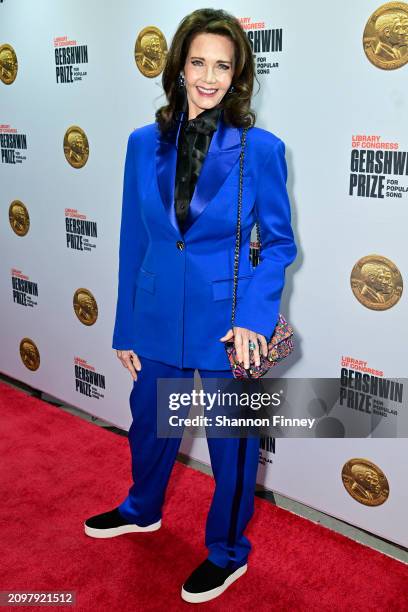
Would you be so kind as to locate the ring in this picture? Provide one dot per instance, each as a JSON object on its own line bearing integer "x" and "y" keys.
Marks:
{"x": 251, "y": 345}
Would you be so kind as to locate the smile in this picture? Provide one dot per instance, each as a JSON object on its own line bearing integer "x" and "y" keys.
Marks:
{"x": 206, "y": 92}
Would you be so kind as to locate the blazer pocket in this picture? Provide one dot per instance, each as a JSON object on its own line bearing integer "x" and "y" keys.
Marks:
{"x": 146, "y": 280}
{"x": 223, "y": 288}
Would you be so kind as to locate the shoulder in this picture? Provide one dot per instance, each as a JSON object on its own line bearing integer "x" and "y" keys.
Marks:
{"x": 141, "y": 141}
{"x": 143, "y": 132}
{"x": 264, "y": 142}
{"x": 268, "y": 154}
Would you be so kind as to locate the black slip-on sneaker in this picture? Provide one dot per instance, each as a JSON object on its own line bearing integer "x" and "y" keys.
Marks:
{"x": 208, "y": 581}
{"x": 111, "y": 524}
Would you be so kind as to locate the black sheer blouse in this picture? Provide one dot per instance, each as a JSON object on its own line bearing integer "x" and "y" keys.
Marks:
{"x": 194, "y": 140}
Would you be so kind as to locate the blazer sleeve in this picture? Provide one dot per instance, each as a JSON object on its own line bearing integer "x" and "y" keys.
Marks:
{"x": 258, "y": 308}
{"x": 132, "y": 247}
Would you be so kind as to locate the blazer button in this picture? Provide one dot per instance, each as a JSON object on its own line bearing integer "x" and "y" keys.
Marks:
{"x": 180, "y": 245}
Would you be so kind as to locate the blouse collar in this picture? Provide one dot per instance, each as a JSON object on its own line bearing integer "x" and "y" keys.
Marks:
{"x": 205, "y": 122}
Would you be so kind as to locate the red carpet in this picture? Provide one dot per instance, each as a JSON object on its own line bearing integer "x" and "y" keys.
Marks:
{"x": 56, "y": 470}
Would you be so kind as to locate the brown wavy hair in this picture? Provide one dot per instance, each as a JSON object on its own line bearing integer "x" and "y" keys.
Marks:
{"x": 236, "y": 105}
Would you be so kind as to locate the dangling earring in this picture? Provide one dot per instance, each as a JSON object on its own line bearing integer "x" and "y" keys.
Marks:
{"x": 181, "y": 81}
{"x": 231, "y": 89}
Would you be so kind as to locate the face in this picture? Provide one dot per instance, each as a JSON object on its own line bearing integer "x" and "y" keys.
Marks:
{"x": 398, "y": 34}
{"x": 153, "y": 49}
{"x": 7, "y": 60}
{"x": 208, "y": 71}
{"x": 383, "y": 280}
{"x": 78, "y": 144}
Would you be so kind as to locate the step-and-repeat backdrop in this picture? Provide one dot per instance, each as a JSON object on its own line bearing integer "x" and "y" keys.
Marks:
{"x": 77, "y": 77}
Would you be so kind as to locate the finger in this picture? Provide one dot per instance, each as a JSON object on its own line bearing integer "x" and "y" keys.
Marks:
{"x": 255, "y": 351}
{"x": 238, "y": 345}
{"x": 264, "y": 344}
{"x": 227, "y": 336}
{"x": 120, "y": 355}
{"x": 136, "y": 361}
{"x": 129, "y": 365}
{"x": 245, "y": 348}
{"x": 131, "y": 369}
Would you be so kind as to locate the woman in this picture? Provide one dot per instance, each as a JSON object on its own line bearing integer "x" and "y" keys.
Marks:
{"x": 176, "y": 266}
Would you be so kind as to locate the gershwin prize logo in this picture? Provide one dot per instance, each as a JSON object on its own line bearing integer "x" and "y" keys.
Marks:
{"x": 378, "y": 167}
{"x": 265, "y": 41}
{"x": 70, "y": 58}
{"x": 267, "y": 445}
{"x": 81, "y": 232}
{"x": 367, "y": 391}
{"x": 25, "y": 291}
{"x": 11, "y": 145}
{"x": 88, "y": 381}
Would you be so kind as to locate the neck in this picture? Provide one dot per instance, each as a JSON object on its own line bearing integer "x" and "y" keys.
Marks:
{"x": 194, "y": 113}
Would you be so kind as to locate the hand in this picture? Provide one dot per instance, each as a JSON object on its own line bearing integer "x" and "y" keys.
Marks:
{"x": 130, "y": 360}
{"x": 242, "y": 336}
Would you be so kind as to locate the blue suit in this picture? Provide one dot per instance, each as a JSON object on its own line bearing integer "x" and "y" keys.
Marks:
{"x": 175, "y": 290}
{"x": 174, "y": 304}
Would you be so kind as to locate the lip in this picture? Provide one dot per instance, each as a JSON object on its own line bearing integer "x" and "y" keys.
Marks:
{"x": 203, "y": 93}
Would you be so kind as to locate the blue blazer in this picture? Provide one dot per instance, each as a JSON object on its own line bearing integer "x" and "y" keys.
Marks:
{"x": 175, "y": 290}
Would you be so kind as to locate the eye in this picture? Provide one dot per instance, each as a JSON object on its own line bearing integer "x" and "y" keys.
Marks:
{"x": 194, "y": 62}
{"x": 224, "y": 66}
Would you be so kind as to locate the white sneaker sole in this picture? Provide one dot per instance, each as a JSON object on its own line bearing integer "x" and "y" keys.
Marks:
{"x": 207, "y": 595}
{"x": 117, "y": 531}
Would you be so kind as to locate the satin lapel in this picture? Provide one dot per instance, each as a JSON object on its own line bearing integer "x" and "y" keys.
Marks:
{"x": 166, "y": 161}
{"x": 222, "y": 154}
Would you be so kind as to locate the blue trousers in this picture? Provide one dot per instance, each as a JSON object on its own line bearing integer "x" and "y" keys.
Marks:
{"x": 234, "y": 463}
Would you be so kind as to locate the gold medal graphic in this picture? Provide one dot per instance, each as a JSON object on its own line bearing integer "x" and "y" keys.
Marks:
{"x": 376, "y": 282}
{"x": 365, "y": 482}
{"x": 150, "y": 51}
{"x": 8, "y": 64}
{"x": 385, "y": 37}
{"x": 85, "y": 306}
{"x": 19, "y": 218}
{"x": 76, "y": 147}
{"x": 29, "y": 354}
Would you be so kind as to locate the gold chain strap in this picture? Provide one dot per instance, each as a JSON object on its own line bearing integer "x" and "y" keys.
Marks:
{"x": 238, "y": 234}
